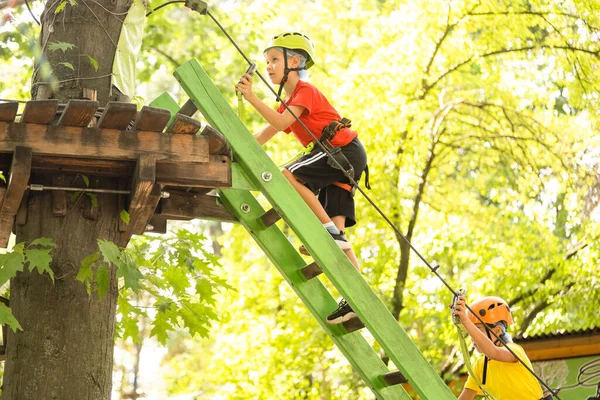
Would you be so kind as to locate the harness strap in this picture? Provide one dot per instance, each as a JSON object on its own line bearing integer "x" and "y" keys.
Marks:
{"x": 462, "y": 333}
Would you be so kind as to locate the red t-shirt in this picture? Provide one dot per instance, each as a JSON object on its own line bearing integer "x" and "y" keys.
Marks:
{"x": 318, "y": 113}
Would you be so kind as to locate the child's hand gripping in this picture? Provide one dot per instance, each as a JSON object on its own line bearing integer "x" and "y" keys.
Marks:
{"x": 459, "y": 310}
{"x": 244, "y": 86}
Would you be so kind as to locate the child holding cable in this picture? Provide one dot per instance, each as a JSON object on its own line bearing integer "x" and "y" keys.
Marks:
{"x": 498, "y": 373}
{"x": 288, "y": 56}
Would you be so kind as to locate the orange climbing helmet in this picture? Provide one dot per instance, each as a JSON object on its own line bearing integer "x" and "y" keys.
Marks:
{"x": 491, "y": 310}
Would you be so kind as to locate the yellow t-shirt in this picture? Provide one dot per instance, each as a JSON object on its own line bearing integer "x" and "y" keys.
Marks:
{"x": 507, "y": 381}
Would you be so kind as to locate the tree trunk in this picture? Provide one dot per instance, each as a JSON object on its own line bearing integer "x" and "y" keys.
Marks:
{"x": 65, "y": 350}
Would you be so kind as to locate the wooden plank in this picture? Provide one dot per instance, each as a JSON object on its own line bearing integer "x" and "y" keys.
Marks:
{"x": 39, "y": 112}
{"x": 561, "y": 347}
{"x": 59, "y": 197}
{"x": 184, "y": 125}
{"x": 78, "y": 113}
{"x": 217, "y": 144}
{"x": 145, "y": 195}
{"x": 21, "y": 217}
{"x": 102, "y": 144}
{"x": 239, "y": 178}
{"x": 270, "y": 217}
{"x": 8, "y": 111}
{"x": 311, "y": 270}
{"x": 116, "y": 115}
{"x": 214, "y": 174}
{"x": 151, "y": 119}
{"x": 336, "y": 265}
{"x": 20, "y": 171}
{"x": 188, "y": 108}
{"x": 186, "y": 206}
{"x": 394, "y": 378}
{"x": 158, "y": 223}
{"x": 167, "y": 102}
{"x": 353, "y": 324}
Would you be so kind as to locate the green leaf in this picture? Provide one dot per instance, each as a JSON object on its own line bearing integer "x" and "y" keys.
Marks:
{"x": 130, "y": 273}
{"x": 40, "y": 259}
{"x": 58, "y": 9}
{"x": 73, "y": 3}
{"x": 2, "y": 177}
{"x": 43, "y": 241}
{"x": 131, "y": 329}
{"x": 102, "y": 280}
{"x": 86, "y": 273}
{"x": 125, "y": 216}
{"x": 160, "y": 327}
{"x": 93, "y": 199}
{"x": 86, "y": 180}
{"x": 110, "y": 251}
{"x": 7, "y": 318}
{"x": 68, "y": 65}
{"x": 93, "y": 62}
{"x": 10, "y": 264}
{"x": 64, "y": 46}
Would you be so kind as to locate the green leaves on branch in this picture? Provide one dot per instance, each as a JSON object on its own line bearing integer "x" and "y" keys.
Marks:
{"x": 36, "y": 255}
{"x": 173, "y": 274}
{"x": 181, "y": 281}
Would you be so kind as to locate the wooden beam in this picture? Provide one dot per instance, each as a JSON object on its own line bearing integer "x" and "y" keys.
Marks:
{"x": 117, "y": 115}
{"x": 20, "y": 170}
{"x": 145, "y": 195}
{"x": 39, "y": 112}
{"x": 151, "y": 119}
{"x": 562, "y": 347}
{"x": 8, "y": 111}
{"x": 78, "y": 113}
{"x": 59, "y": 197}
{"x": 311, "y": 270}
{"x": 217, "y": 144}
{"x": 394, "y": 378}
{"x": 353, "y": 324}
{"x": 214, "y": 174}
{"x": 270, "y": 217}
{"x": 158, "y": 223}
{"x": 186, "y": 206}
{"x": 103, "y": 144}
{"x": 188, "y": 108}
{"x": 184, "y": 125}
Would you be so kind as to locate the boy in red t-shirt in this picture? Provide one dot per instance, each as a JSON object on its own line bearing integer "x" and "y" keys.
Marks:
{"x": 288, "y": 56}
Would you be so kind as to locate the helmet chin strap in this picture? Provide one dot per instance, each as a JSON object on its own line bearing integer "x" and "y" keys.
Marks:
{"x": 286, "y": 72}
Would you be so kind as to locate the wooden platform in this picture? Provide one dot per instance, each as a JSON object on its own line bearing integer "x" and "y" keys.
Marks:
{"x": 151, "y": 152}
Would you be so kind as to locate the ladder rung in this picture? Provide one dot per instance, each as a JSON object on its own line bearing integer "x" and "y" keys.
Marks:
{"x": 353, "y": 324}
{"x": 394, "y": 378}
{"x": 270, "y": 217}
{"x": 311, "y": 270}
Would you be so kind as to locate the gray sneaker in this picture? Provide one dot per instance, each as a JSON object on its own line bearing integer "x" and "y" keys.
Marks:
{"x": 340, "y": 239}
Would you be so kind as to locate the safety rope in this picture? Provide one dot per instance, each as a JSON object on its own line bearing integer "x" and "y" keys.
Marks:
{"x": 202, "y": 8}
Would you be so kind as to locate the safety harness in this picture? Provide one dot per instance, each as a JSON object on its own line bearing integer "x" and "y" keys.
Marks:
{"x": 327, "y": 134}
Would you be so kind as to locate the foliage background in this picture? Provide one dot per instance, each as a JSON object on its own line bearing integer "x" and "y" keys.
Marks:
{"x": 481, "y": 123}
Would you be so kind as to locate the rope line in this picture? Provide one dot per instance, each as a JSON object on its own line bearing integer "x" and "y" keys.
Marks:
{"x": 433, "y": 269}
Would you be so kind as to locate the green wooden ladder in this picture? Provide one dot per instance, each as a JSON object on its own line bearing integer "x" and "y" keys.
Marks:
{"x": 267, "y": 178}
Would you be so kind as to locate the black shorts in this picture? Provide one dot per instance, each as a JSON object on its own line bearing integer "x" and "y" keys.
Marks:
{"x": 317, "y": 175}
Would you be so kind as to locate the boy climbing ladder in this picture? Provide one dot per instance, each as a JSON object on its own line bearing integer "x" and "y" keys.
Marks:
{"x": 288, "y": 56}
